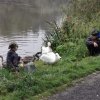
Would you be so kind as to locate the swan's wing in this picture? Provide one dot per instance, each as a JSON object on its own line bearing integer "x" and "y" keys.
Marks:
{"x": 46, "y": 50}
{"x": 48, "y": 58}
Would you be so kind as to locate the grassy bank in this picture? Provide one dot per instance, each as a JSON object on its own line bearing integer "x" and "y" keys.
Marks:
{"x": 46, "y": 79}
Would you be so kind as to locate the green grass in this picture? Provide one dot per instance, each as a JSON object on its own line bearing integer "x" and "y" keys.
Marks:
{"x": 68, "y": 41}
{"x": 46, "y": 79}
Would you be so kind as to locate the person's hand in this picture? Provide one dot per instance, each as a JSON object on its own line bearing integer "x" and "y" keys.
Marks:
{"x": 95, "y": 44}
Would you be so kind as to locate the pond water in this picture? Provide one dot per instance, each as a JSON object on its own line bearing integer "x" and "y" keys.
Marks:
{"x": 24, "y": 21}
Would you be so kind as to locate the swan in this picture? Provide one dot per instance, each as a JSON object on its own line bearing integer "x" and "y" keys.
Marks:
{"x": 46, "y": 49}
{"x": 48, "y": 56}
{"x": 27, "y": 60}
{"x": 1, "y": 62}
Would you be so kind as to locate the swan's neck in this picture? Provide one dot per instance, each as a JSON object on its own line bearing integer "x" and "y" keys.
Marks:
{"x": 1, "y": 60}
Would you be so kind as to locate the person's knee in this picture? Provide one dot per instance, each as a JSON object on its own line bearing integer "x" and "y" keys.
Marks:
{"x": 89, "y": 46}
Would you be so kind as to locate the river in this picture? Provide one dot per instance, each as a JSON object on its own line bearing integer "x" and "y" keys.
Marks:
{"x": 25, "y": 23}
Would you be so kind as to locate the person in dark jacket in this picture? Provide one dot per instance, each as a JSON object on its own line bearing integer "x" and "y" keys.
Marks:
{"x": 93, "y": 43}
{"x": 13, "y": 58}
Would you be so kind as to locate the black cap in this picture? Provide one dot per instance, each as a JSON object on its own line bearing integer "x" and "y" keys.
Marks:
{"x": 94, "y": 32}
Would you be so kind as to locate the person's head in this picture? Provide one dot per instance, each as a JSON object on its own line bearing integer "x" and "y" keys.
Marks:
{"x": 95, "y": 34}
{"x": 13, "y": 46}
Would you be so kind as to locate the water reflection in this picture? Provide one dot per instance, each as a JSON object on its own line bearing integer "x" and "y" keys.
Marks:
{"x": 28, "y": 44}
{"x": 23, "y": 21}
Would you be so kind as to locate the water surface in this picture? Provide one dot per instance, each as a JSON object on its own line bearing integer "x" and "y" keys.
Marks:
{"x": 24, "y": 21}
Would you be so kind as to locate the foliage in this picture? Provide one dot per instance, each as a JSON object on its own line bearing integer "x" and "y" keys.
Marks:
{"x": 75, "y": 28}
{"x": 86, "y": 9}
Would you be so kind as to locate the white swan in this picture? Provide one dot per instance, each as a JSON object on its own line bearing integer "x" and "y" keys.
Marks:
{"x": 46, "y": 49}
{"x": 48, "y": 56}
{"x": 1, "y": 62}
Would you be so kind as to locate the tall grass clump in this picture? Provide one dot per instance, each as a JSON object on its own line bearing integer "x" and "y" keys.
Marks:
{"x": 68, "y": 40}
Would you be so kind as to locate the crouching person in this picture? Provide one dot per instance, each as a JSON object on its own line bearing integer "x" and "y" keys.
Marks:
{"x": 93, "y": 43}
{"x": 13, "y": 59}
